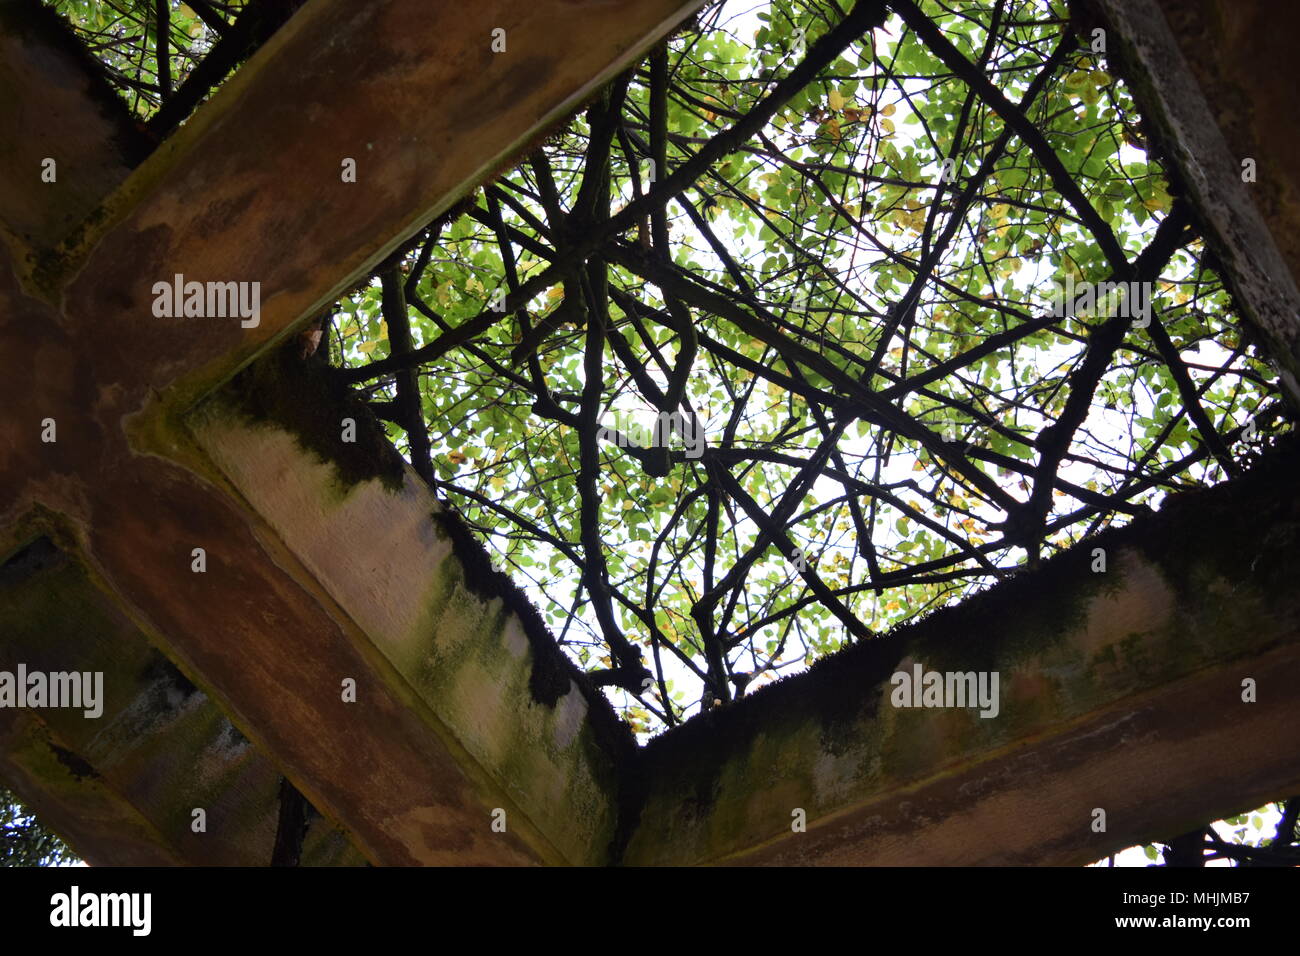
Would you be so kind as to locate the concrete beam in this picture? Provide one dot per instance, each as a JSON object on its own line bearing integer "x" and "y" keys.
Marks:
{"x": 1211, "y": 76}
{"x": 251, "y": 188}
{"x": 1118, "y": 688}
{"x": 461, "y": 645}
{"x": 55, "y": 105}
{"x": 121, "y": 787}
{"x": 1119, "y": 691}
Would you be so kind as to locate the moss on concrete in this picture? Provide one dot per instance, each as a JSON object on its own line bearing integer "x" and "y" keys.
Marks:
{"x": 818, "y": 732}
{"x": 310, "y": 404}
{"x": 464, "y": 639}
{"x": 552, "y": 670}
{"x": 557, "y": 755}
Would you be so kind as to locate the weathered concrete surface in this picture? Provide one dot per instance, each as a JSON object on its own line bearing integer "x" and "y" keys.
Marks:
{"x": 1217, "y": 80}
{"x": 477, "y": 661}
{"x": 1120, "y": 691}
{"x": 251, "y": 187}
{"x": 254, "y": 631}
{"x": 250, "y": 190}
{"x": 122, "y": 787}
{"x": 51, "y": 107}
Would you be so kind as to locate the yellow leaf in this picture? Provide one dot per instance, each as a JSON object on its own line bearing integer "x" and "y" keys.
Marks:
{"x": 887, "y": 125}
{"x": 888, "y": 110}
{"x": 836, "y": 100}
{"x": 555, "y": 292}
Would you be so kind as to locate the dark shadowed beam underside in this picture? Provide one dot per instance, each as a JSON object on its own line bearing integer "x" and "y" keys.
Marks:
{"x": 123, "y": 788}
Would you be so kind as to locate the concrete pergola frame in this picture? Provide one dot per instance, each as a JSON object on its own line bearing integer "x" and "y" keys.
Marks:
{"x": 329, "y": 561}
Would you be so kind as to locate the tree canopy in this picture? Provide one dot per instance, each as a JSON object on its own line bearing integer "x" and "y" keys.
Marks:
{"x": 761, "y": 352}
{"x": 766, "y": 350}
{"x": 24, "y": 840}
{"x": 822, "y": 260}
